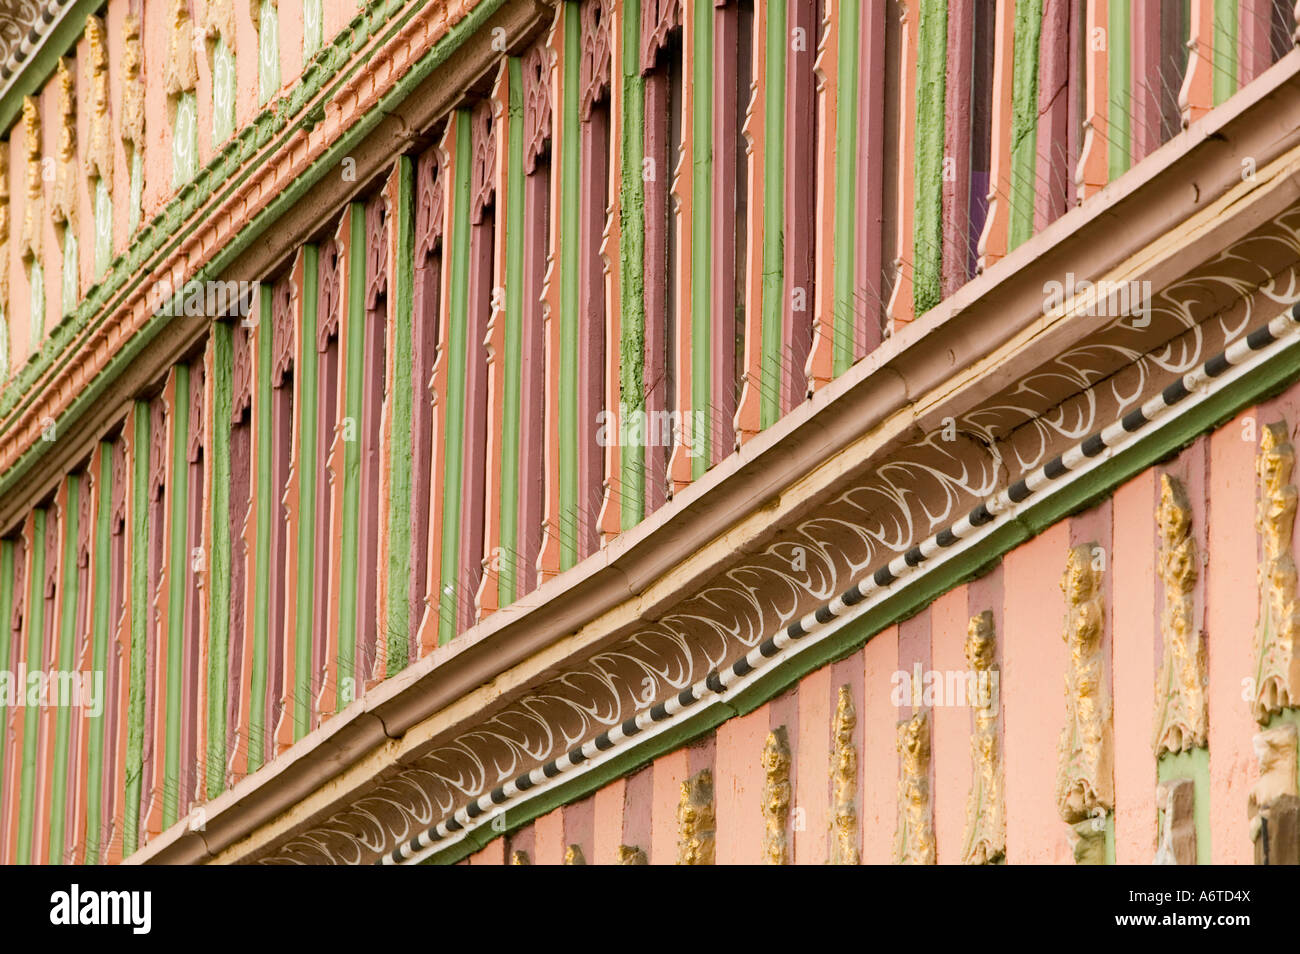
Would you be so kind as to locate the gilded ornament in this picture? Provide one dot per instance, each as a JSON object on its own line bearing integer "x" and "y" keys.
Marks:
{"x": 696, "y": 821}
{"x": 776, "y": 797}
{"x": 844, "y": 783}
{"x": 1181, "y": 714}
{"x": 1277, "y": 670}
{"x": 914, "y": 841}
{"x": 986, "y": 822}
{"x": 30, "y": 243}
{"x": 99, "y": 150}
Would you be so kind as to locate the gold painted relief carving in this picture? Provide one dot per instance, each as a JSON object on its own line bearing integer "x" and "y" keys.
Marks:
{"x": 99, "y": 148}
{"x": 29, "y": 244}
{"x": 776, "y": 797}
{"x": 573, "y": 855}
{"x": 520, "y": 858}
{"x": 914, "y": 842}
{"x": 216, "y": 18}
{"x": 631, "y": 855}
{"x": 4, "y": 235}
{"x": 1181, "y": 714}
{"x": 180, "y": 69}
{"x": 1176, "y": 824}
{"x": 1277, "y": 669}
{"x": 1084, "y": 784}
{"x": 844, "y": 783}
{"x": 696, "y": 821}
{"x": 986, "y": 822}
{"x": 132, "y": 130}
{"x": 1274, "y": 803}
{"x": 63, "y": 203}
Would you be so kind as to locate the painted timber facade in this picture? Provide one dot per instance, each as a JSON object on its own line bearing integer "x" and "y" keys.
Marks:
{"x": 649, "y": 431}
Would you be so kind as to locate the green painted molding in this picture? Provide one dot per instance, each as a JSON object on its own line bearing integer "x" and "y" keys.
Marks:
{"x": 67, "y": 662}
{"x": 266, "y": 497}
{"x": 631, "y": 267}
{"x": 215, "y": 183}
{"x": 220, "y": 376}
{"x": 845, "y": 188}
{"x": 138, "y": 607}
{"x": 178, "y": 572}
{"x": 306, "y": 373}
{"x": 457, "y": 322}
{"x": 770, "y": 382}
{"x": 1024, "y": 122}
{"x": 927, "y": 224}
{"x": 350, "y": 480}
{"x": 399, "y": 429}
{"x": 6, "y": 628}
{"x": 1119, "y": 69}
{"x": 1225, "y": 49}
{"x": 95, "y": 850}
{"x": 701, "y": 417}
{"x": 567, "y": 132}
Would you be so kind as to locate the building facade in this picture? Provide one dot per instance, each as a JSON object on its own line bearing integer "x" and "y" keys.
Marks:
{"x": 649, "y": 431}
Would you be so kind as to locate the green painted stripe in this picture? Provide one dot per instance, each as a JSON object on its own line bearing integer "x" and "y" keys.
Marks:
{"x": 102, "y": 574}
{"x": 511, "y": 367}
{"x": 68, "y": 632}
{"x": 267, "y": 496}
{"x": 633, "y": 461}
{"x": 139, "y": 609}
{"x": 31, "y": 717}
{"x": 927, "y": 223}
{"x": 1119, "y": 68}
{"x": 351, "y": 477}
{"x": 399, "y": 402}
{"x": 701, "y": 245}
{"x": 455, "y": 371}
{"x": 268, "y": 51}
{"x": 6, "y": 630}
{"x": 845, "y": 187}
{"x": 1194, "y": 764}
{"x": 1225, "y": 49}
{"x": 218, "y": 457}
{"x": 773, "y": 216}
{"x": 308, "y": 464}
{"x": 178, "y": 562}
{"x": 1024, "y": 122}
{"x": 569, "y": 191}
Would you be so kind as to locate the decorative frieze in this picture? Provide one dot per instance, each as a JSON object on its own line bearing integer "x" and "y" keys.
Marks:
{"x": 1277, "y": 675}
{"x": 180, "y": 69}
{"x": 986, "y": 822}
{"x": 696, "y": 820}
{"x": 914, "y": 841}
{"x": 776, "y": 797}
{"x": 844, "y": 783}
{"x": 1181, "y": 713}
{"x": 1085, "y": 790}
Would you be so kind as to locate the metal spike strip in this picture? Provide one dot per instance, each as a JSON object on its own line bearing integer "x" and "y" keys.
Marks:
{"x": 720, "y": 681}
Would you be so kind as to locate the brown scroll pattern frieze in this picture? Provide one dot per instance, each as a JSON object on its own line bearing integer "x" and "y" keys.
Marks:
{"x": 776, "y": 797}
{"x": 844, "y": 782}
{"x": 1277, "y": 675}
{"x": 1084, "y": 781}
{"x": 696, "y": 820}
{"x": 914, "y": 839}
{"x": 1181, "y": 710}
{"x": 916, "y": 490}
{"x": 986, "y": 822}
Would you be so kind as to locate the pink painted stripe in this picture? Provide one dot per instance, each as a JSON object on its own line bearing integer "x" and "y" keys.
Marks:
{"x": 879, "y": 755}
{"x": 812, "y": 753}
{"x": 669, "y": 772}
{"x": 1134, "y": 613}
{"x": 548, "y": 849}
{"x": 1034, "y": 660}
{"x": 607, "y": 823}
{"x": 738, "y": 787}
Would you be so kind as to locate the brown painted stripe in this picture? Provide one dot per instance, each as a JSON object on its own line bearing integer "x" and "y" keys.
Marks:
{"x": 328, "y": 310}
{"x": 869, "y": 307}
{"x": 960, "y": 64}
{"x": 800, "y": 200}
{"x": 727, "y": 120}
{"x": 1054, "y": 191}
{"x": 592, "y": 346}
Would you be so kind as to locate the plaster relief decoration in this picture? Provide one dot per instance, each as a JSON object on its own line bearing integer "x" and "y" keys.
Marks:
{"x": 63, "y": 202}
{"x": 1274, "y": 801}
{"x": 4, "y": 244}
{"x": 1277, "y": 668}
{"x": 776, "y": 797}
{"x": 520, "y": 858}
{"x": 132, "y": 130}
{"x": 573, "y": 855}
{"x": 180, "y": 69}
{"x": 99, "y": 148}
{"x": 1085, "y": 791}
{"x": 986, "y": 822}
{"x": 1181, "y": 713}
{"x": 914, "y": 841}
{"x": 696, "y": 820}
{"x": 631, "y": 855}
{"x": 1176, "y": 824}
{"x": 29, "y": 245}
{"x": 844, "y": 783}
